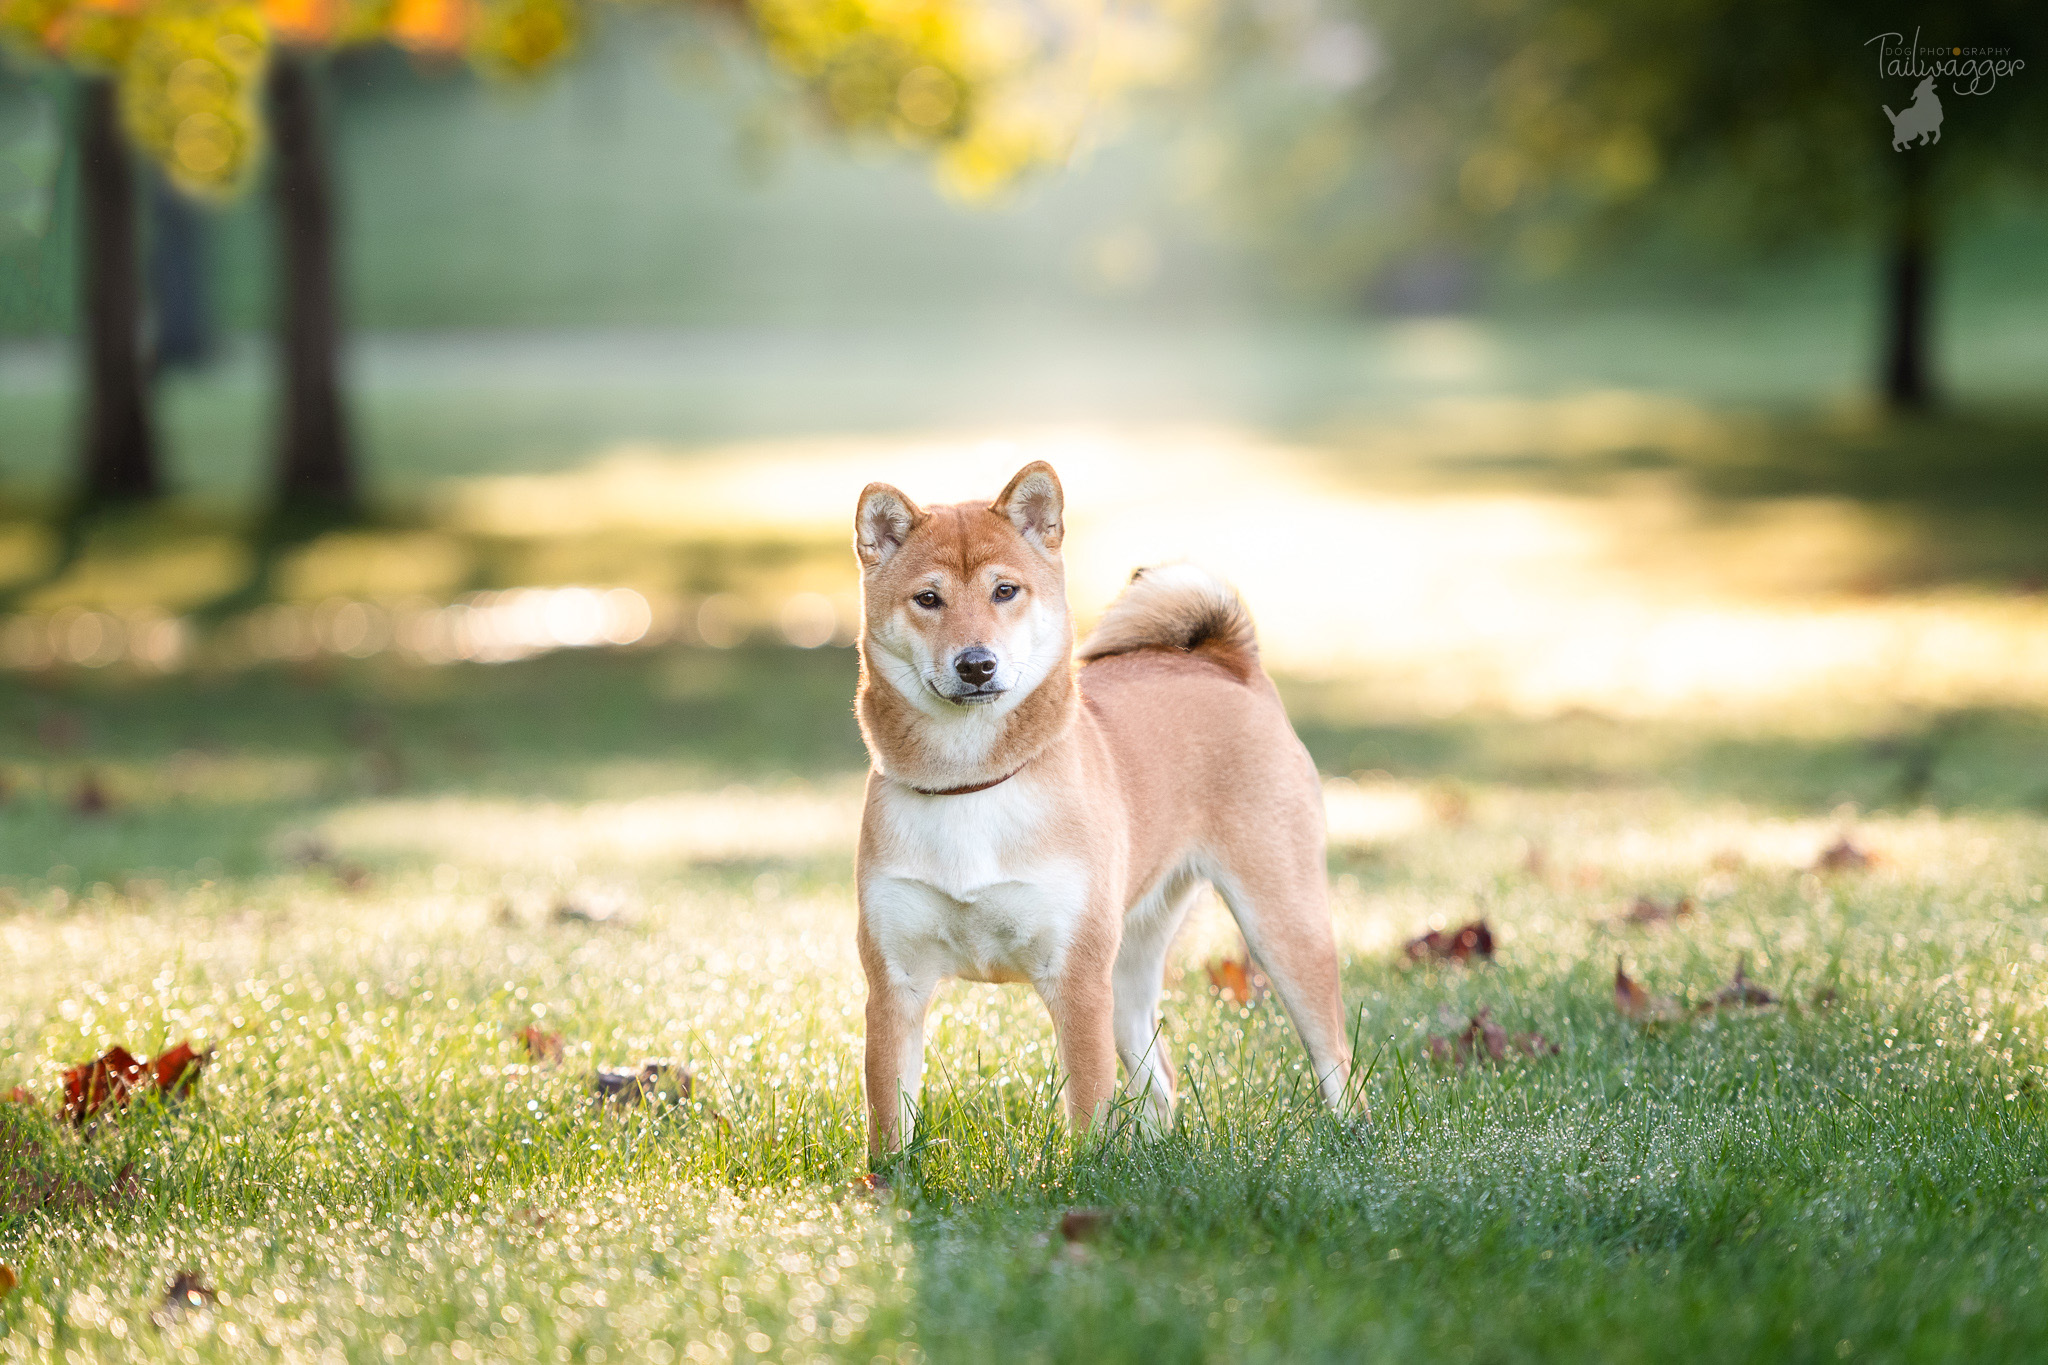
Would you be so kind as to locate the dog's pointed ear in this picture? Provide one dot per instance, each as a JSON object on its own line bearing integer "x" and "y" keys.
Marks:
{"x": 881, "y": 525}
{"x": 1035, "y": 505}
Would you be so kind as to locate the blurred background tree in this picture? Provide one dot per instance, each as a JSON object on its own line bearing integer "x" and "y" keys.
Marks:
{"x": 1552, "y": 134}
{"x": 986, "y": 93}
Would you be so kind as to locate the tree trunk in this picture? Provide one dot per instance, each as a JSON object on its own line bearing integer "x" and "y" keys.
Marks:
{"x": 1909, "y": 364}
{"x": 119, "y": 457}
{"x": 314, "y": 466}
{"x": 180, "y": 282}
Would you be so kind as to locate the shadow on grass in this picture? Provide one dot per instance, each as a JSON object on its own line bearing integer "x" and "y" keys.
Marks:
{"x": 1974, "y": 758}
{"x": 220, "y": 767}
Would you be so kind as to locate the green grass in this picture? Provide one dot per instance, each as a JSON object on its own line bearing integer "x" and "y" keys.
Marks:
{"x": 374, "y": 1167}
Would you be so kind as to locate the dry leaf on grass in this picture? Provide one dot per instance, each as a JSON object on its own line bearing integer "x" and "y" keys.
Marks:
{"x": 1237, "y": 979}
{"x": 1638, "y": 1004}
{"x": 10, "y": 1279}
{"x": 177, "y": 1069}
{"x": 187, "y": 1293}
{"x": 1843, "y": 856}
{"x": 1083, "y": 1225}
{"x": 91, "y": 798}
{"x": 870, "y": 1185}
{"x": 1482, "y": 1039}
{"x": 1649, "y": 910}
{"x": 1739, "y": 993}
{"x": 21, "y": 1094}
{"x": 656, "y": 1080}
{"x": 115, "y": 1074}
{"x": 1452, "y": 945}
{"x": 541, "y": 1045}
{"x": 570, "y": 912}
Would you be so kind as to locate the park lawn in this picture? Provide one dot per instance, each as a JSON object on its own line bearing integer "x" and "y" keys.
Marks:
{"x": 348, "y": 880}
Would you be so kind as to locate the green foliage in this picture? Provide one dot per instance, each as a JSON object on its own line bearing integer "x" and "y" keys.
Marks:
{"x": 992, "y": 91}
{"x": 1558, "y": 132}
{"x": 1549, "y": 121}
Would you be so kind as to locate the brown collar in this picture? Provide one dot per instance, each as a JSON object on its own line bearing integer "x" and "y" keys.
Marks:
{"x": 962, "y": 791}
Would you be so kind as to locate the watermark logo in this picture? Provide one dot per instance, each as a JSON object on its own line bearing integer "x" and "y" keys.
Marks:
{"x": 1921, "y": 119}
{"x": 1968, "y": 70}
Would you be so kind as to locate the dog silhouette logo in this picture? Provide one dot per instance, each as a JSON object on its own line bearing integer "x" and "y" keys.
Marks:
{"x": 1921, "y": 119}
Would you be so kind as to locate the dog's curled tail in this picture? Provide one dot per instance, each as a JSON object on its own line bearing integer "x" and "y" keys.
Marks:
{"x": 1178, "y": 607}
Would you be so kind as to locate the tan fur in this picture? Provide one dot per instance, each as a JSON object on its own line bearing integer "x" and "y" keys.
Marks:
{"x": 1176, "y": 607}
{"x": 1165, "y": 763}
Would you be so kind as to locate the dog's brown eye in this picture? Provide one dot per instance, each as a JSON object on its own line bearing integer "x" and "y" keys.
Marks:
{"x": 1005, "y": 591}
{"x": 926, "y": 599}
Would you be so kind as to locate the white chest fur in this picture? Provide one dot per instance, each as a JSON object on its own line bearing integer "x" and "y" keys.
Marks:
{"x": 966, "y": 886}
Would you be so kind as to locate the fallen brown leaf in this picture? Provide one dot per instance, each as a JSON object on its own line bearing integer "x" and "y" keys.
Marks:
{"x": 21, "y": 1094}
{"x": 1638, "y": 1004}
{"x": 10, "y": 1279}
{"x": 569, "y": 912}
{"x": 115, "y": 1074}
{"x": 176, "y": 1070}
{"x": 1482, "y": 1039}
{"x": 1083, "y": 1225}
{"x": 1843, "y": 856}
{"x": 91, "y": 798}
{"x": 541, "y": 1045}
{"x": 654, "y": 1080}
{"x": 187, "y": 1293}
{"x": 1452, "y": 945}
{"x": 870, "y": 1185}
{"x": 1649, "y": 910}
{"x": 308, "y": 850}
{"x": 1739, "y": 993}
{"x": 107, "y": 1078}
{"x": 187, "y": 1290}
{"x": 1237, "y": 979}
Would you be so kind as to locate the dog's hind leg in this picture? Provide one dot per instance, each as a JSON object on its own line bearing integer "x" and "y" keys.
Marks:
{"x": 1276, "y": 889}
{"x": 1139, "y": 976}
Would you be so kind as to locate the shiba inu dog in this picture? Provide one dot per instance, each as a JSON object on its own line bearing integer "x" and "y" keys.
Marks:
{"x": 1028, "y": 820}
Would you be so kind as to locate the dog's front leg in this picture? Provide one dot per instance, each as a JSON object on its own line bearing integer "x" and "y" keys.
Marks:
{"x": 1082, "y": 1002}
{"x": 894, "y": 1064}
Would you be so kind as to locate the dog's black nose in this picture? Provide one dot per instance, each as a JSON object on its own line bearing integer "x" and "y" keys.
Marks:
{"x": 975, "y": 666}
